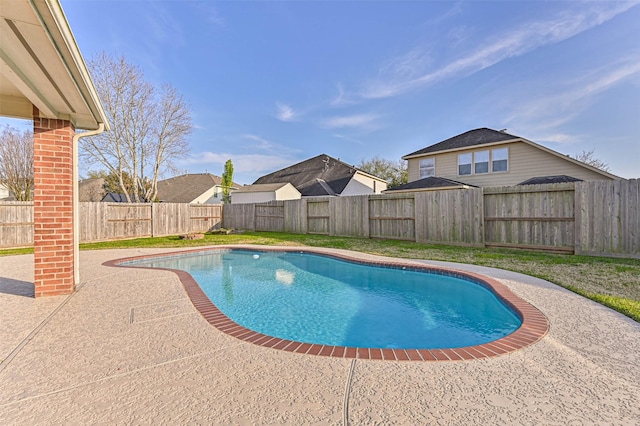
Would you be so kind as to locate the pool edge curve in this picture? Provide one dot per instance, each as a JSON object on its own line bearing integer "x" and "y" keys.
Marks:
{"x": 534, "y": 327}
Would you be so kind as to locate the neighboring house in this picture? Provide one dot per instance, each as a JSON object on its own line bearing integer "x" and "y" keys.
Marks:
{"x": 197, "y": 188}
{"x": 541, "y": 180}
{"x": 5, "y": 195}
{"x": 323, "y": 175}
{"x": 115, "y": 197}
{"x": 91, "y": 190}
{"x": 486, "y": 157}
{"x": 265, "y": 192}
{"x": 429, "y": 183}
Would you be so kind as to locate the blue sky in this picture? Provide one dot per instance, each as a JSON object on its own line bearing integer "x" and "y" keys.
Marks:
{"x": 273, "y": 83}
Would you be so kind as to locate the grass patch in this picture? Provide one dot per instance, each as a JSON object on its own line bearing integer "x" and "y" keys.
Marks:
{"x": 12, "y": 252}
{"x": 613, "y": 282}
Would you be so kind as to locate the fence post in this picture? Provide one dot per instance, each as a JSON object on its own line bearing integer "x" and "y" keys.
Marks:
{"x": 153, "y": 222}
{"x": 577, "y": 215}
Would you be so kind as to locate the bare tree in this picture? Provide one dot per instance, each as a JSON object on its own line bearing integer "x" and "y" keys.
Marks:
{"x": 395, "y": 173}
{"x": 16, "y": 162}
{"x": 149, "y": 127}
{"x": 589, "y": 158}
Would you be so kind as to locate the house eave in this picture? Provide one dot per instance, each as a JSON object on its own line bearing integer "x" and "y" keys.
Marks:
{"x": 401, "y": 191}
{"x": 41, "y": 66}
{"x": 466, "y": 148}
{"x": 363, "y": 173}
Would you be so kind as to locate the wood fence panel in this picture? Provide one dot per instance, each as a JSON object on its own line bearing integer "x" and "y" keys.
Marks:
{"x": 239, "y": 216}
{"x": 295, "y": 216}
{"x": 530, "y": 216}
{"x": 205, "y": 217}
{"x": 128, "y": 220}
{"x": 608, "y": 217}
{"x": 170, "y": 219}
{"x": 318, "y": 214}
{"x": 392, "y": 216}
{"x": 349, "y": 216}
{"x": 450, "y": 217}
{"x": 16, "y": 223}
{"x": 270, "y": 216}
{"x": 93, "y": 220}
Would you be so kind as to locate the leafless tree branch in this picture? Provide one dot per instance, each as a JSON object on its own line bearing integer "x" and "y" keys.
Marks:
{"x": 16, "y": 162}
{"x": 149, "y": 127}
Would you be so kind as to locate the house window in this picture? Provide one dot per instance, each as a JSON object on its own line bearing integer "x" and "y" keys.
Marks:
{"x": 427, "y": 167}
{"x": 500, "y": 160}
{"x": 481, "y": 162}
{"x": 464, "y": 164}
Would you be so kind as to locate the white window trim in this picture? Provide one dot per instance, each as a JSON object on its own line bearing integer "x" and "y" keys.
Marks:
{"x": 470, "y": 163}
{"x": 473, "y": 162}
{"x": 507, "y": 159}
{"x": 433, "y": 160}
{"x": 489, "y": 163}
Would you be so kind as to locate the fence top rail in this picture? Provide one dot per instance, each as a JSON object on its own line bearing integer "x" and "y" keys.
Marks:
{"x": 401, "y": 196}
{"x": 16, "y": 203}
{"x": 126, "y": 204}
{"x": 549, "y": 187}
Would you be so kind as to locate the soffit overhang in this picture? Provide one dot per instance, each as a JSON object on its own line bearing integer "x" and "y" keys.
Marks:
{"x": 41, "y": 66}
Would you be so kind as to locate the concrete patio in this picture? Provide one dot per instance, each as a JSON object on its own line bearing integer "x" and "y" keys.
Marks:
{"x": 128, "y": 347}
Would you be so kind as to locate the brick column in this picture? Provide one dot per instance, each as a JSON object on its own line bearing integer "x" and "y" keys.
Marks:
{"x": 53, "y": 205}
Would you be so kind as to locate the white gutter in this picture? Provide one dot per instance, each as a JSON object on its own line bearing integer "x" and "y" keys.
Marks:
{"x": 76, "y": 203}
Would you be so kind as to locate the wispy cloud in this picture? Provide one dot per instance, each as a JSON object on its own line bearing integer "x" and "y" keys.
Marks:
{"x": 284, "y": 112}
{"x": 267, "y": 145}
{"x": 163, "y": 26}
{"x": 558, "y": 107}
{"x": 362, "y": 121}
{"x": 262, "y": 143}
{"x": 342, "y": 98}
{"x": 348, "y": 139}
{"x": 242, "y": 163}
{"x": 413, "y": 71}
{"x": 211, "y": 14}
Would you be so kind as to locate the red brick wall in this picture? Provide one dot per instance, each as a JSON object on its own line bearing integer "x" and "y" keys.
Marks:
{"x": 53, "y": 206}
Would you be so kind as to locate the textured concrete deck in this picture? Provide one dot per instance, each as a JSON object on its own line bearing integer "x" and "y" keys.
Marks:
{"x": 128, "y": 347}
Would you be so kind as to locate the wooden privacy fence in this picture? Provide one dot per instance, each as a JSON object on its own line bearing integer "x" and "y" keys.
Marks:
{"x": 608, "y": 217}
{"x": 530, "y": 216}
{"x": 16, "y": 223}
{"x": 114, "y": 221}
{"x": 595, "y": 218}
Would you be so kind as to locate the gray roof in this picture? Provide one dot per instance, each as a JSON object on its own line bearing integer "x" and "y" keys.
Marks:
{"x": 265, "y": 187}
{"x": 115, "y": 197}
{"x": 428, "y": 183}
{"x": 91, "y": 189}
{"x": 549, "y": 179}
{"x": 471, "y": 138}
{"x": 186, "y": 188}
{"x": 317, "y": 176}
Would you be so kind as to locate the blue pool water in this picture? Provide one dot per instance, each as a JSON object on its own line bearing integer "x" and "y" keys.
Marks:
{"x": 323, "y": 300}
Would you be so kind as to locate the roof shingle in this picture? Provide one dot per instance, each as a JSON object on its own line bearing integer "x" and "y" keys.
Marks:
{"x": 471, "y": 138}
{"x": 186, "y": 188}
{"x": 429, "y": 183}
{"x": 317, "y": 176}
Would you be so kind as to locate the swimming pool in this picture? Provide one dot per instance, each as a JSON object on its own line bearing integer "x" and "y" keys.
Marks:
{"x": 304, "y": 298}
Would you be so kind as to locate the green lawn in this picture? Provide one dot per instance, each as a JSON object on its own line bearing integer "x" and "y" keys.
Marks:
{"x": 613, "y": 282}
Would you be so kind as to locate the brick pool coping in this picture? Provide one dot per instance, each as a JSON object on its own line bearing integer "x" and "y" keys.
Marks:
{"x": 534, "y": 324}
